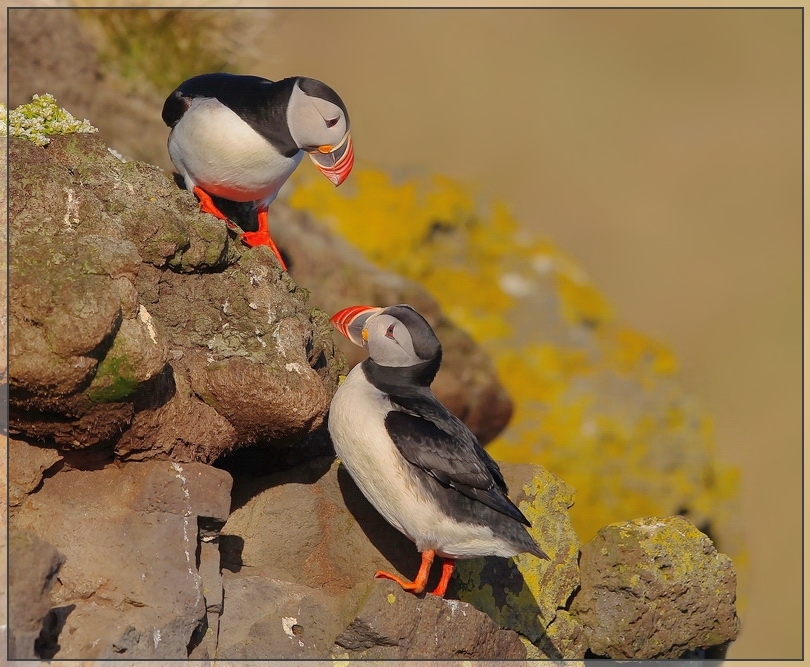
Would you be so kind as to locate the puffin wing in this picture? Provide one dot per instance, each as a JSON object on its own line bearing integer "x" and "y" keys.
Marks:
{"x": 442, "y": 446}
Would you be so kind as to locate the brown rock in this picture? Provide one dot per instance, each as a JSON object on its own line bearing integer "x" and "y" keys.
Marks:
{"x": 269, "y": 618}
{"x": 655, "y": 588}
{"x": 26, "y": 467}
{"x": 149, "y": 328}
{"x": 136, "y": 591}
{"x": 310, "y": 532}
{"x": 393, "y": 624}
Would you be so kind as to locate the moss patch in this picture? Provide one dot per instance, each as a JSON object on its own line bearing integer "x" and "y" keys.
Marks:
{"x": 114, "y": 380}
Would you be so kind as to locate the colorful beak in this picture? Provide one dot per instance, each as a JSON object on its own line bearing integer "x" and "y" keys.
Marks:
{"x": 337, "y": 162}
{"x": 351, "y": 322}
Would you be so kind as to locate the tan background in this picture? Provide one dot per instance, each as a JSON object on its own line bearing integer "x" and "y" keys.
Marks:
{"x": 662, "y": 149}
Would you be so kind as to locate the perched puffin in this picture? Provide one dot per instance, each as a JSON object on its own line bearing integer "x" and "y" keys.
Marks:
{"x": 418, "y": 464}
{"x": 241, "y": 137}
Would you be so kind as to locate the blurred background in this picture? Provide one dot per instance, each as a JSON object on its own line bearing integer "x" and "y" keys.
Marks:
{"x": 661, "y": 149}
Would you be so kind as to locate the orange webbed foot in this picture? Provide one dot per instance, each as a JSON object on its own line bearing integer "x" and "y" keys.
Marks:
{"x": 207, "y": 204}
{"x": 417, "y": 585}
{"x": 262, "y": 237}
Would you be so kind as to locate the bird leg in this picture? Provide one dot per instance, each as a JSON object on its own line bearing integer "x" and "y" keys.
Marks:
{"x": 262, "y": 237}
{"x": 418, "y": 584}
{"x": 448, "y": 565}
{"x": 207, "y": 204}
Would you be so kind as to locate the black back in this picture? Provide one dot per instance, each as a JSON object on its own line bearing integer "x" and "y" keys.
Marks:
{"x": 261, "y": 103}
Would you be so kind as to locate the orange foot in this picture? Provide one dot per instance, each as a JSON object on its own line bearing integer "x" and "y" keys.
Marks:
{"x": 418, "y": 585}
{"x": 262, "y": 237}
{"x": 207, "y": 204}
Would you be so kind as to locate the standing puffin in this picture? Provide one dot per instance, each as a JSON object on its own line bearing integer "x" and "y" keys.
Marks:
{"x": 418, "y": 464}
{"x": 241, "y": 137}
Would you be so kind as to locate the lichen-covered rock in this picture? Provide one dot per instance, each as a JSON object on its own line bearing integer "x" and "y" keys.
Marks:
{"x": 33, "y": 567}
{"x": 525, "y": 594}
{"x": 655, "y": 588}
{"x": 131, "y": 306}
{"x": 136, "y": 592}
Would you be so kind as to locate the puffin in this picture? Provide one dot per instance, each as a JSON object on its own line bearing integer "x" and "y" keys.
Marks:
{"x": 240, "y": 137}
{"x": 414, "y": 461}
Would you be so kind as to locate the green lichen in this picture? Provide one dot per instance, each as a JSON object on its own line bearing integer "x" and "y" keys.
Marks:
{"x": 41, "y": 118}
{"x": 115, "y": 379}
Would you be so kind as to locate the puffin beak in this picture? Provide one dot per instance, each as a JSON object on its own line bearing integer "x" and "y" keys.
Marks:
{"x": 335, "y": 162}
{"x": 351, "y": 322}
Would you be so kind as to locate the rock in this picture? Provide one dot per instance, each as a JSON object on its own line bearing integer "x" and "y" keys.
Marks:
{"x": 33, "y": 566}
{"x": 150, "y": 329}
{"x": 137, "y": 592}
{"x": 523, "y": 593}
{"x": 655, "y": 588}
{"x": 395, "y": 625}
{"x": 307, "y": 533}
{"x": 304, "y": 544}
{"x": 266, "y": 617}
{"x": 27, "y": 464}
{"x": 153, "y": 331}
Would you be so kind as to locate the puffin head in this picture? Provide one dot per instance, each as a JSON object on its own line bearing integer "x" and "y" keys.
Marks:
{"x": 319, "y": 124}
{"x": 395, "y": 337}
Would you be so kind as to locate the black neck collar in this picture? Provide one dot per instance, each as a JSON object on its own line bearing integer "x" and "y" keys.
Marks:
{"x": 404, "y": 381}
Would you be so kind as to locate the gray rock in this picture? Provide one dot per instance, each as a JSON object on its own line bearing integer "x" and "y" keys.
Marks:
{"x": 395, "y": 625}
{"x": 137, "y": 591}
{"x": 655, "y": 588}
{"x": 33, "y": 567}
{"x": 265, "y": 618}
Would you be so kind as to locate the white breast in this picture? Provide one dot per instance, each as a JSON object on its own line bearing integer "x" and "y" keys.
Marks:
{"x": 386, "y": 479}
{"x": 213, "y": 148}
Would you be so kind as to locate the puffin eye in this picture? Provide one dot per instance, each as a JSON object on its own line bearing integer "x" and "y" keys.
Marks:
{"x": 390, "y": 332}
{"x": 331, "y": 122}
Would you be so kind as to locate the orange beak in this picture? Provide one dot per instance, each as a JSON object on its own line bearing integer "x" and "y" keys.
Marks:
{"x": 335, "y": 162}
{"x": 351, "y": 322}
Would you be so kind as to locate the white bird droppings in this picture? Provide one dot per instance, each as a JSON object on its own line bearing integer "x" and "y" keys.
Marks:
{"x": 146, "y": 318}
{"x": 72, "y": 212}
